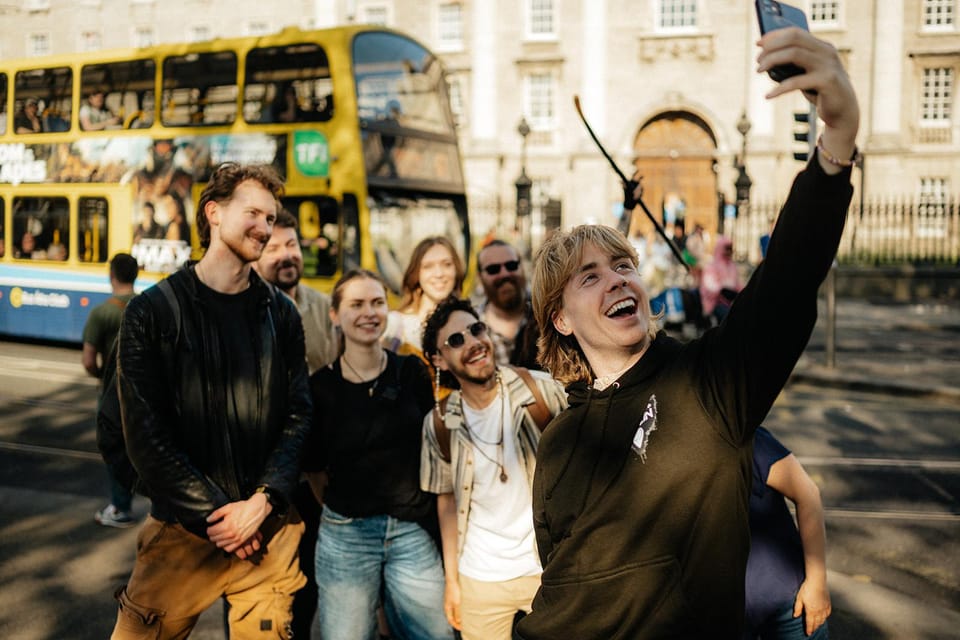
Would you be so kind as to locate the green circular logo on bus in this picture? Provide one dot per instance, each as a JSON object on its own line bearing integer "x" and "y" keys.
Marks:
{"x": 311, "y": 153}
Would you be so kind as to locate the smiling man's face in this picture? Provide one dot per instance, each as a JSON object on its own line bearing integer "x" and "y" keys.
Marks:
{"x": 605, "y": 307}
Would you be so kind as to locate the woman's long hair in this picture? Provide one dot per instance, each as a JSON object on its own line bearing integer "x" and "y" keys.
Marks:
{"x": 412, "y": 292}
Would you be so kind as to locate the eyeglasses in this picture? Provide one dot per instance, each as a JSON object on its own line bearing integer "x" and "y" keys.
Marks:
{"x": 457, "y": 340}
{"x": 494, "y": 269}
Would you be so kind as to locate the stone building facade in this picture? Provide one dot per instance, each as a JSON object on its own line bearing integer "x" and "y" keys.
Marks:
{"x": 664, "y": 83}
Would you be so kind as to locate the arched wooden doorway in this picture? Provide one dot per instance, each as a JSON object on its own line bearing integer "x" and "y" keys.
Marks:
{"x": 675, "y": 154}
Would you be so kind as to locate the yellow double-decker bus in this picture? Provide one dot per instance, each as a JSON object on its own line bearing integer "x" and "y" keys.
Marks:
{"x": 107, "y": 152}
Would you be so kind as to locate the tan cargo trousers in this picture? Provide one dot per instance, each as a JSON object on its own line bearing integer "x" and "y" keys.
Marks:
{"x": 177, "y": 576}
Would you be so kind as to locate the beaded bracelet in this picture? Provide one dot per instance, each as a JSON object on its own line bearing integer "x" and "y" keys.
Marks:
{"x": 834, "y": 160}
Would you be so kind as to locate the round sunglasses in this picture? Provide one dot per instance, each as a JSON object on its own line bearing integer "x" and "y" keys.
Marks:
{"x": 457, "y": 340}
{"x": 494, "y": 269}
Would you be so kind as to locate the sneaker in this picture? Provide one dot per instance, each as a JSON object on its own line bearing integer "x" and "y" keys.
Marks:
{"x": 110, "y": 516}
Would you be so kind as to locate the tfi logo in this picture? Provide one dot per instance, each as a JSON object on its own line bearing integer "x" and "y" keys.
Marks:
{"x": 311, "y": 153}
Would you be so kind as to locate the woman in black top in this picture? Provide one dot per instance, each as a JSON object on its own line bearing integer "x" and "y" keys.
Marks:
{"x": 369, "y": 406}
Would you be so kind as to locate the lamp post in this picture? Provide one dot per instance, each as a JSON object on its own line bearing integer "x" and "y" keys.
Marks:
{"x": 743, "y": 182}
{"x": 523, "y": 185}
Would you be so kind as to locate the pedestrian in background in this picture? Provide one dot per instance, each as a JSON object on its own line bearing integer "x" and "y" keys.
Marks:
{"x": 478, "y": 455}
{"x": 435, "y": 272}
{"x": 506, "y": 309}
{"x": 99, "y": 338}
{"x": 215, "y": 407}
{"x": 786, "y": 588}
{"x": 375, "y": 527}
{"x": 647, "y": 472}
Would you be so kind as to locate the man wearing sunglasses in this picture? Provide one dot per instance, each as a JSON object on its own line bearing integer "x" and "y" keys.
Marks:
{"x": 506, "y": 310}
{"x": 478, "y": 454}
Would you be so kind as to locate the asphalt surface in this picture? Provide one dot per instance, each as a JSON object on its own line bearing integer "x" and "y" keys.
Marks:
{"x": 908, "y": 350}
{"x": 57, "y": 568}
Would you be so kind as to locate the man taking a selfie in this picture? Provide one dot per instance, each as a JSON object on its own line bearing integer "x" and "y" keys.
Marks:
{"x": 640, "y": 498}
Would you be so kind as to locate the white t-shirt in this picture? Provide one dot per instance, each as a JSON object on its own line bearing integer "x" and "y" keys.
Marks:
{"x": 499, "y": 542}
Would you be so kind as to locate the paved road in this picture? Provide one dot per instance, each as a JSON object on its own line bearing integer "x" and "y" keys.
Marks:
{"x": 887, "y": 466}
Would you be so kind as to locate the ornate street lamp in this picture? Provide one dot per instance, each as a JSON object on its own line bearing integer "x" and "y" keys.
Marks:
{"x": 743, "y": 182}
{"x": 523, "y": 183}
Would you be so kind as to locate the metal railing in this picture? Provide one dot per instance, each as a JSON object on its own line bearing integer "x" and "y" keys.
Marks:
{"x": 885, "y": 231}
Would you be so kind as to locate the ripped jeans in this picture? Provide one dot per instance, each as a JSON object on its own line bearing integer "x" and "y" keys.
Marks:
{"x": 178, "y": 575}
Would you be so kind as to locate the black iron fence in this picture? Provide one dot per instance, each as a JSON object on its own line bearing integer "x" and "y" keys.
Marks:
{"x": 881, "y": 232}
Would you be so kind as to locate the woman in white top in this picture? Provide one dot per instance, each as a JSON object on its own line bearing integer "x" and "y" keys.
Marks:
{"x": 435, "y": 272}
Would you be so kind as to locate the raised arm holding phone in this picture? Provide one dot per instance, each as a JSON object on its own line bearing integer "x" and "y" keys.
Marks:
{"x": 640, "y": 498}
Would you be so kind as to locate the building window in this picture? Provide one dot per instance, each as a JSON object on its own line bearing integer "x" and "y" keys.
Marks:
{"x": 939, "y": 14}
{"x": 937, "y": 97}
{"x": 539, "y": 101}
{"x": 541, "y": 19}
{"x": 450, "y": 26}
{"x": 41, "y": 228}
{"x": 677, "y": 15}
{"x": 824, "y": 12}
{"x": 38, "y": 44}
{"x": 933, "y": 194}
{"x": 198, "y": 33}
{"x": 375, "y": 14}
{"x": 90, "y": 41}
{"x": 143, "y": 37}
{"x": 933, "y": 220}
{"x": 92, "y": 226}
{"x": 455, "y": 91}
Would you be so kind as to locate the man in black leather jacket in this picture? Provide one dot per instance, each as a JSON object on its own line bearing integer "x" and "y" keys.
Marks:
{"x": 215, "y": 405}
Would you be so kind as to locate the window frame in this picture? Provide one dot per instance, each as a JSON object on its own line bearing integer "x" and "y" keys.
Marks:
{"x": 833, "y": 23}
{"x": 530, "y": 17}
{"x": 942, "y": 107}
{"x": 660, "y": 11}
{"x": 927, "y": 7}
{"x": 444, "y": 43}
{"x": 532, "y": 103}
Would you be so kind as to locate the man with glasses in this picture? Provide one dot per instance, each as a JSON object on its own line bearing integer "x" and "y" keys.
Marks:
{"x": 506, "y": 310}
{"x": 478, "y": 455}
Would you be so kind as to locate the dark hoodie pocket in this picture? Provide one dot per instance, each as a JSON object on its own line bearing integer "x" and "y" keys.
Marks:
{"x": 637, "y": 600}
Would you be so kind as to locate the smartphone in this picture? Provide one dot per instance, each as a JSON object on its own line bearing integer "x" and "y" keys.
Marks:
{"x": 775, "y": 15}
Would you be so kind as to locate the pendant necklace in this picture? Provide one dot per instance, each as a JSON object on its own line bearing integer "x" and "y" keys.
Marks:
{"x": 499, "y": 442}
{"x": 376, "y": 377}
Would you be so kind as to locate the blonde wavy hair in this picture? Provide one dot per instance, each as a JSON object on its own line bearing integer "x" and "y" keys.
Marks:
{"x": 556, "y": 261}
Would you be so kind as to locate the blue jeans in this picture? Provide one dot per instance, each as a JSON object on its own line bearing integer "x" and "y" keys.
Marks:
{"x": 120, "y": 496}
{"x": 357, "y": 559}
{"x": 783, "y": 626}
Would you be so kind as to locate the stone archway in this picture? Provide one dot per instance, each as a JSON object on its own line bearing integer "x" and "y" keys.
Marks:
{"x": 675, "y": 153}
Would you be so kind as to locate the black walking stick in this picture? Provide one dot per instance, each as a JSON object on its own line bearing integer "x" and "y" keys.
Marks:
{"x": 626, "y": 182}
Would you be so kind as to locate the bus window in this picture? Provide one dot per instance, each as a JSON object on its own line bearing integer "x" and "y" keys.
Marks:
{"x": 43, "y": 99}
{"x": 351, "y": 232}
{"x": 200, "y": 89}
{"x": 319, "y": 220}
{"x": 41, "y": 228}
{"x": 288, "y": 84}
{"x": 128, "y": 89}
{"x": 398, "y": 223}
{"x": 92, "y": 227}
{"x": 3, "y": 222}
{"x": 400, "y": 83}
{"x": 3, "y": 104}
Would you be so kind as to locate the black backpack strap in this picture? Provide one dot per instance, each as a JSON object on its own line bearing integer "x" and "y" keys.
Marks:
{"x": 174, "y": 305}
